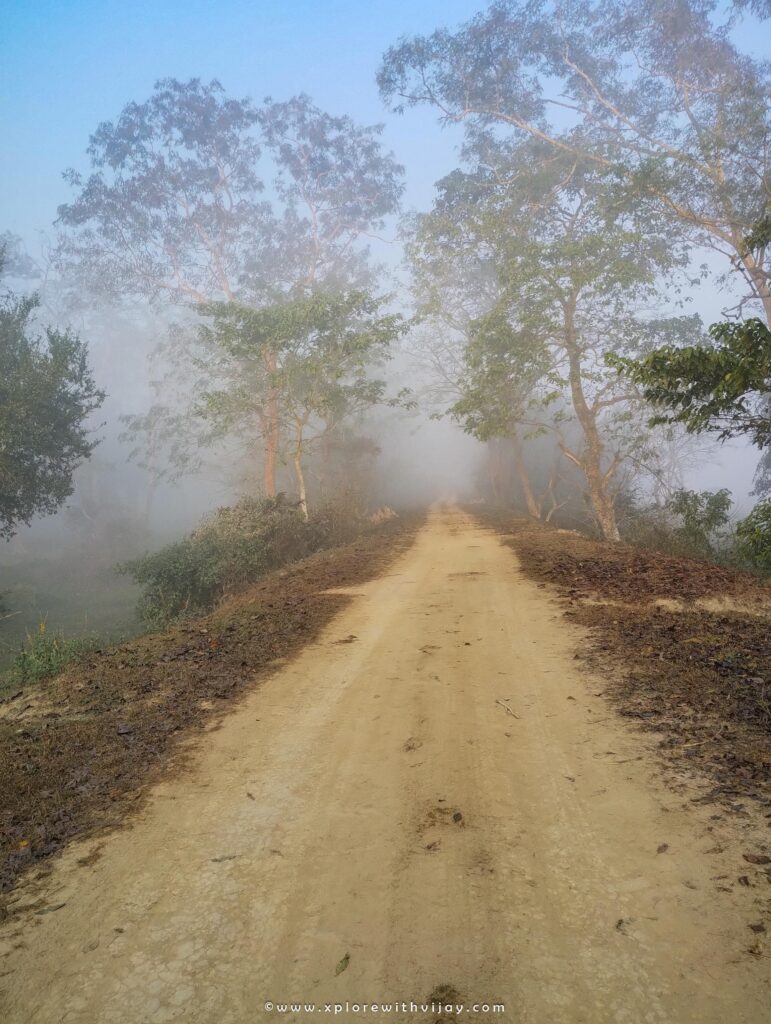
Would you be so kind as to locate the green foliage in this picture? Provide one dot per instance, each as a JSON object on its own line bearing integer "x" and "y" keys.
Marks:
{"x": 760, "y": 236}
{"x": 574, "y": 277}
{"x": 723, "y": 388}
{"x": 310, "y": 355}
{"x": 310, "y": 351}
{"x": 230, "y": 549}
{"x": 45, "y": 654}
{"x": 47, "y": 393}
{"x": 694, "y": 524}
{"x": 212, "y": 201}
{"x": 753, "y": 537}
{"x": 702, "y": 517}
{"x": 503, "y": 367}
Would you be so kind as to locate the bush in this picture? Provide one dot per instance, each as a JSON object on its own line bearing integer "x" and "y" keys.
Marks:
{"x": 691, "y": 523}
{"x": 230, "y": 549}
{"x": 703, "y": 517}
{"x": 753, "y": 537}
{"x": 45, "y": 654}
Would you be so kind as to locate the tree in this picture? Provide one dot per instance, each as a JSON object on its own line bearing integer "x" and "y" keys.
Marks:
{"x": 576, "y": 276}
{"x": 176, "y": 209}
{"x": 723, "y": 387}
{"x": 652, "y": 92}
{"x": 703, "y": 515}
{"x": 503, "y": 391}
{"x": 47, "y": 393}
{"x": 754, "y": 536}
{"x": 323, "y": 346}
{"x": 337, "y": 186}
{"x": 16, "y": 262}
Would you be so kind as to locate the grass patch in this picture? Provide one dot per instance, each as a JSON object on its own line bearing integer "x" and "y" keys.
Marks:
{"x": 44, "y": 654}
{"x": 77, "y": 593}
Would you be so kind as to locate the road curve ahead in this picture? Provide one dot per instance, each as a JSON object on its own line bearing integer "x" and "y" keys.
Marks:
{"x": 430, "y": 803}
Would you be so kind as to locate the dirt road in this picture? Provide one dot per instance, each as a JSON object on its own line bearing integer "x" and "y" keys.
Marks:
{"x": 429, "y": 800}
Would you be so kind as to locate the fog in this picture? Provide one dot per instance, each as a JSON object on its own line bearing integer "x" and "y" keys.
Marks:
{"x": 307, "y": 211}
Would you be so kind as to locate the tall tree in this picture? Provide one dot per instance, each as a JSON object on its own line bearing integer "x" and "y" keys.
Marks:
{"x": 577, "y": 278}
{"x": 508, "y": 382}
{"x": 651, "y": 91}
{"x": 323, "y": 347}
{"x": 336, "y": 185}
{"x": 176, "y": 209}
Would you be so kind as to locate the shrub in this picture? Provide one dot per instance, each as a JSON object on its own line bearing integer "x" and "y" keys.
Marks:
{"x": 230, "y": 549}
{"x": 753, "y": 537}
{"x": 44, "y": 654}
{"x": 703, "y": 517}
{"x": 691, "y": 523}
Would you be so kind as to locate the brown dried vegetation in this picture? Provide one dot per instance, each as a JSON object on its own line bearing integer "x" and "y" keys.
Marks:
{"x": 688, "y": 644}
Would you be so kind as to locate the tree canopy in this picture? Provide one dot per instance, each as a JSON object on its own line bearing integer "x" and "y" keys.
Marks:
{"x": 199, "y": 198}
{"x": 575, "y": 274}
{"x": 47, "y": 394}
{"x": 724, "y": 387}
{"x": 654, "y": 93}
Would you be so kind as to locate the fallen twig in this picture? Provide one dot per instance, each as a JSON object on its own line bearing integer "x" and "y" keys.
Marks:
{"x": 506, "y": 708}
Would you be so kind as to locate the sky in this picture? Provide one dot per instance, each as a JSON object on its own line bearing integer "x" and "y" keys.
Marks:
{"x": 67, "y": 66}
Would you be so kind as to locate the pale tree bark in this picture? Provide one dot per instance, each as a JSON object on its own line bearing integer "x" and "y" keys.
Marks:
{"x": 532, "y": 503}
{"x": 297, "y": 461}
{"x": 592, "y": 460}
{"x": 494, "y": 470}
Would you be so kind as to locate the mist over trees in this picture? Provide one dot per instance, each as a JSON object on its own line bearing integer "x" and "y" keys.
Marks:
{"x": 654, "y": 93}
{"x": 604, "y": 143}
{"x": 576, "y": 279}
{"x": 196, "y": 198}
{"x": 546, "y": 301}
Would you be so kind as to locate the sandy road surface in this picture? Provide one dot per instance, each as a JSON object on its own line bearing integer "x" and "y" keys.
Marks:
{"x": 322, "y": 819}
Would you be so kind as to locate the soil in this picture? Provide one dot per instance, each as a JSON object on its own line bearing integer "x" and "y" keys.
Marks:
{"x": 78, "y": 752}
{"x": 431, "y": 801}
{"x": 684, "y": 648}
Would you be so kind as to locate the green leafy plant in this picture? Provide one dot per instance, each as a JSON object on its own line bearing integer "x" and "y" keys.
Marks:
{"x": 694, "y": 524}
{"x": 47, "y": 395}
{"x": 703, "y": 517}
{"x": 753, "y": 537}
{"x": 230, "y": 549}
{"x": 46, "y": 653}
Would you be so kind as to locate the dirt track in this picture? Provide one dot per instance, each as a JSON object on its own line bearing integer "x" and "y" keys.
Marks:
{"x": 375, "y": 798}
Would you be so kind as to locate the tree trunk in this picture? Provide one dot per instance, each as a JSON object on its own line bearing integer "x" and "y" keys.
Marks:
{"x": 598, "y": 481}
{"x": 532, "y": 504}
{"x": 494, "y": 471}
{"x": 550, "y": 493}
{"x": 271, "y": 429}
{"x": 602, "y": 503}
{"x": 298, "y": 470}
{"x": 271, "y": 439}
{"x": 758, "y": 276}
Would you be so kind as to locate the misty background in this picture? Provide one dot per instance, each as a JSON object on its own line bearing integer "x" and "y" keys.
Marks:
{"x": 65, "y": 69}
